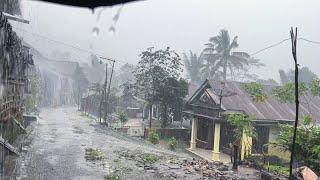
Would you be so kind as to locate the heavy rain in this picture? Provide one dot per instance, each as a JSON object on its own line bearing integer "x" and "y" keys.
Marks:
{"x": 159, "y": 89}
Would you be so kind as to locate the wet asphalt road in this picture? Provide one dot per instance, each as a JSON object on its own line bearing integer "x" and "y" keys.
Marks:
{"x": 56, "y": 145}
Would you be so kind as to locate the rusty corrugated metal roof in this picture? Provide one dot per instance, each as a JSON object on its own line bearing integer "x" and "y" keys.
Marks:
{"x": 270, "y": 109}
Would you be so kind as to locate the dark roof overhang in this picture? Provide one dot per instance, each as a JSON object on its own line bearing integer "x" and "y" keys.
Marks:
{"x": 89, "y": 3}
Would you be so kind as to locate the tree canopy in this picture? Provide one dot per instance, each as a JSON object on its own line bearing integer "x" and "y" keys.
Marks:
{"x": 194, "y": 64}
{"x": 220, "y": 57}
{"x": 157, "y": 76}
{"x": 152, "y": 71}
{"x": 305, "y": 75}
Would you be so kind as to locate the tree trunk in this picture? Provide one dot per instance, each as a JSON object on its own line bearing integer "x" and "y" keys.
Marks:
{"x": 79, "y": 99}
{"x": 225, "y": 72}
{"x": 150, "y": 115}
{"x": 100, "y": 107}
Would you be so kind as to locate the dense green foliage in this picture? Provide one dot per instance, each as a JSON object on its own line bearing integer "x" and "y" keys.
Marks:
{"x": 285, "y": 93}
{"x": 157, "y": 81}
{"x": 172, "y": 143}
{"x": 122, "y": 116}
{"x": 307, "y": 146}
{"x": 242, "y": 124}
{"x": 255, "y": 91}
{"x": 152, "y": 71}
{"x": 275, "y": 169}
{"x": 171, "y": 100}
{"x": 153, "y": 136}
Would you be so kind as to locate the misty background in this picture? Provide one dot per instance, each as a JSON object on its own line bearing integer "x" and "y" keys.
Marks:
{"x": 181, "y": 24}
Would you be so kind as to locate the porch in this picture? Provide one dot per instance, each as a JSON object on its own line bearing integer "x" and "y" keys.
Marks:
{"x": 207, "y": 155}
{"x": 211, "y": 140}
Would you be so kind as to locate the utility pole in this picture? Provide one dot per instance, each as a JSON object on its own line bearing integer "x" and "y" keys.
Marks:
{"x": 103, "y": 96}
{"x": 108, "y": 93}
{"x": 294, "y": 36}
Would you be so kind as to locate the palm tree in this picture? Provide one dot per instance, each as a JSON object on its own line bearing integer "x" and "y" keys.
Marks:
{"x": 193, "y": 65}
{"x": 220, "y": 55}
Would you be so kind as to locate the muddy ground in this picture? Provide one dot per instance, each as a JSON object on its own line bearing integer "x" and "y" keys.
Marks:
{"x": 64, "y": 144}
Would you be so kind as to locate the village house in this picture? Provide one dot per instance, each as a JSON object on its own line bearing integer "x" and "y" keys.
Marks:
{"x": 211, "y": 133}
{"x": 15, "y": 60}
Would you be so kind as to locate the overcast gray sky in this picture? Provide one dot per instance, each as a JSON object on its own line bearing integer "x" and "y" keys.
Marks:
{"x": 181, "y": 24}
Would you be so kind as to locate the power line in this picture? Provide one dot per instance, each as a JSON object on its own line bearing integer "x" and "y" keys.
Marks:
{"x": 110, "y": 59}
{"x": 268, "y": 47}
{"x": 310, "y": 41}
{"x": 70, "y": 45}
{"x": 282, "y": 41}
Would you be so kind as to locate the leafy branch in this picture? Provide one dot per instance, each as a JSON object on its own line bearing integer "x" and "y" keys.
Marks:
{"x": 285, "y": 93}
{"x": 255, "y": 91}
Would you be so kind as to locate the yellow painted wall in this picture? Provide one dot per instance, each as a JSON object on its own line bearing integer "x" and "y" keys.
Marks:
{"x": 246, "y": 145}
{"x": 273, "y": 150}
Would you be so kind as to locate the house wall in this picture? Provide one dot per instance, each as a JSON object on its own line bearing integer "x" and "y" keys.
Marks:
{"x": 246, "y": 145}
{"x": 272, "y": 149}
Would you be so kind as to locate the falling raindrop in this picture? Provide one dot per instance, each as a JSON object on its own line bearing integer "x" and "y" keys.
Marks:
{"x": 95, "y": 31}
{"x": 112, "y": 30}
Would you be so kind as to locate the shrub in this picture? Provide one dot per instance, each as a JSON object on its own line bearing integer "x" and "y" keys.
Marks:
{"x": 172, "y": 143}
{"x": 274, "y": 169}
{"x": 122, "y": 117}
{"x": 112, "y": 176}
{"x": 150, "y": 158}
{"x": 153, "y": 136}
{"x": 307, "y": 148}
{"x": 92, "y": 154}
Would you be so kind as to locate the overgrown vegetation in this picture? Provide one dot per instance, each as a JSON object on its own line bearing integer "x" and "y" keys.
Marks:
{"x": 150, "y": 158}
{"x": 172, "y": 100}
{"x": 157, "y": 82}
{"x": 242, "y": 124}
{"x": 92, "y": 154}
{"x": 315, "y": 87}
{"x": 153, "y": 136}
{"x": 285, "y": 93}
{"x": 255, "y": 91}
{"x": 307, "y": 146}
{"x": 274, "y": 169}
{"x": 122, "y": 117}
{"x": 172, "y": 143}
{"x": 112, "y": 176}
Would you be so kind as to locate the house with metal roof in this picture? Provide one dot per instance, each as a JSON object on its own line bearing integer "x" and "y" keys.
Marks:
{"x": 213, "y": 100}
